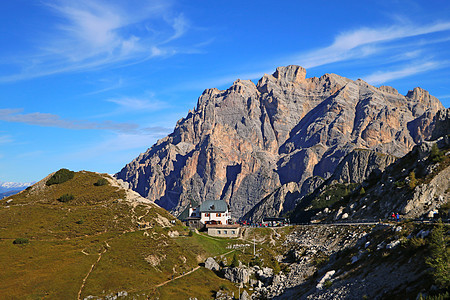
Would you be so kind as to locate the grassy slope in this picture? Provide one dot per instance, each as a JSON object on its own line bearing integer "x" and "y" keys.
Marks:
{"x": 66, "y": 239}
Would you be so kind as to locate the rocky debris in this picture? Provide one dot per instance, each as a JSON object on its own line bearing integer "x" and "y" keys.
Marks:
{"x": 393, "y": 244}
{"x": 328, "y": 275}
{"x": 265, "y": 275}
{"x": 237, "y": 274}
{"x": 211, "y": 264}
{"x": 223, "y": 295}
{"x": 244, "y": 296}
{"x": 305, "y": 245}
{"x": 243, "y": 143}
{"x": 441, "y": 124}
{"x": 114, "y": 296}
{"x": 423, "y": 234}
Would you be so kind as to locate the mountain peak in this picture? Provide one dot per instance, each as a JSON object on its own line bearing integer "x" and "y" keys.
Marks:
{"x": 242, "y": 143}
{"x": 291, "y": 73}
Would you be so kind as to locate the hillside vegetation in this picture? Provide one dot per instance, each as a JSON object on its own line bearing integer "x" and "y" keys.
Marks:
{"x": 104, "y": 240}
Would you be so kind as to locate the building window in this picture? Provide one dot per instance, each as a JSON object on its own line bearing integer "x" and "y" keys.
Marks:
{"x": 206, "y": 214}
{"x": 218, "y": 231}
{"x": 218, "y": 214}
{"x": 225, "y": 232}
{"x": 233, "y": 232}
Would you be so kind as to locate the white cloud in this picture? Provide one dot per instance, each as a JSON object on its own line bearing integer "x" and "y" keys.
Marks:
{"x": 51, "y": 120}
{"x": 362, "y": 42}
{"x": 137, "y": 104}
{"x": 382, "y": 77}
{"x": 5, "y": 139}
{"x": 92, "y": 34}
{"x": 115, "y": 146}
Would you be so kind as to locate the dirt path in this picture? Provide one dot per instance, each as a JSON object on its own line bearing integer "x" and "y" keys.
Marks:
{"x": 92, "y": 268}
{"x": 222, "y": 255}
{"x": 166, "y": 282}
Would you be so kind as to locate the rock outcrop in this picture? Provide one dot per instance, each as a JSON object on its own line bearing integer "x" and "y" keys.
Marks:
{"x": 359, "y": 164}
{"x": 416, "y": 185}
{"x": 243, "y": 143}
{"x": 355, "y": 167}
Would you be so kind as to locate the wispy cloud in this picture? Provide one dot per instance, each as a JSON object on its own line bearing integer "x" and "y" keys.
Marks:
{"x": 94, "y": 33}
{"x": 404, "y": 43}
{"x": 382, "y": 77}
{"x": 5, "y": 139}
{"x": 51, "y": 120}
{"x": 364, "y": 42}
{"x": 127, "y": 104}
{"x": 444, "y": 96}
{"x": 115, "y": 147}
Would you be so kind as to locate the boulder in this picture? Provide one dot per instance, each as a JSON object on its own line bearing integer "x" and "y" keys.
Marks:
{"x": 211, "y": 264}
{"x": 237, "y": 275}
{"x": 328, "y": 275}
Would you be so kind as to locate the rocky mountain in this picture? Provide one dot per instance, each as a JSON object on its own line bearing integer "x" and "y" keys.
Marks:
{"x": 244, "y": 143}
{"x": 355, "y": 167}
{"x": 416, "y": 185}
{"x": 11, "y": 188}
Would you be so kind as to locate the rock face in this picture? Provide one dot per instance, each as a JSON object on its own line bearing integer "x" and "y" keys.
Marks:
{"x": 243, "y": 143}
{"x": 211, "y": 264}
{"x": 416, "y": 185}
{"x": 354, "y": 168}
{"x": 359, "y": 164}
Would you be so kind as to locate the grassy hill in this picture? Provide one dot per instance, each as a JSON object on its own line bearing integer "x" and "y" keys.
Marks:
{"x": 102, "y": 240}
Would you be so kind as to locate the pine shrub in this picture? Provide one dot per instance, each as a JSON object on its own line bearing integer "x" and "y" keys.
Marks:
{"x": 435, "y": 154}
{"x": 439, "y": 259}
{"x": 412, "y": 180}
{"x": 235, "y": 261}
{"x": 20, "y": 241}
{"x": 60, "y": 176}
{"x": 101, "y": 181}
{"x": 66, "y": 198}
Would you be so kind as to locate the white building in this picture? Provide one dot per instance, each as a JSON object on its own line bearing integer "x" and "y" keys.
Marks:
{"x": 214, "y": 212}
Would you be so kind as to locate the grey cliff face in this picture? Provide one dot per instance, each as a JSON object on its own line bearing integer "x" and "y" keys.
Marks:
{"x": 243, "y": 143}
{"x": 354, "y": 168}
{"x": 359, "y": 164}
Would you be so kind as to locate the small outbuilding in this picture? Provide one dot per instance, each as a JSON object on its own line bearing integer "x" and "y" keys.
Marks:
{"x": 230, "y": 231}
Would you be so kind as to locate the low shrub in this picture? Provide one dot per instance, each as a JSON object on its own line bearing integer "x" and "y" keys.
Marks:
{"x": 235, "y": 261}
{"x": 416, "y": 242}
{"x": 60, "y": 176}
{"x": 320, "y": 260}
{"x": 362, "y": 191}
{"x": 412, "y": 180}
{"x": 255, "y": 261}
{"x": 327, "y": 284}
{"x": 101, "y": 181}
{"x": 436, "y": 155}
{"x": 21, "y": 241}
{"x": 66, "y": 198}
{"x": 399, "y": 184}
{"x": 276, "y": 266}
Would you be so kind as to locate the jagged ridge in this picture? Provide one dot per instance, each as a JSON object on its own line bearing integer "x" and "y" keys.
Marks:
{"x": 242, "y": 143}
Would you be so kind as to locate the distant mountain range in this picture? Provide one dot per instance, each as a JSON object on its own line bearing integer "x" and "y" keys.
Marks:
{"x": 245, "y": 143}
{"x": 11, "y": 188}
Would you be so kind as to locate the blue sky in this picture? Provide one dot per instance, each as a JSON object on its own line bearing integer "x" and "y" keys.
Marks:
{"x": 89, "y": 84}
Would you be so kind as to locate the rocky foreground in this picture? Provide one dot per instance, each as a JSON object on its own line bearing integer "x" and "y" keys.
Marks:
{"x": 384, "y": 261}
